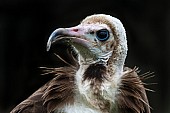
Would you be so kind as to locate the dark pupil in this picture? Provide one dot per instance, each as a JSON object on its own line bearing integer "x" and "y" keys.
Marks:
{"x": 102, "y": 35}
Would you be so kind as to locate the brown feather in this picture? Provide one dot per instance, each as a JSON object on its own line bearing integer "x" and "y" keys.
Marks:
{"x": 132, "y": 97}
{"x": 33, "y": 104}
{"x": 60, "y": 91}
{"x": 95, "y": 72}
{"x": 54, "y": 94}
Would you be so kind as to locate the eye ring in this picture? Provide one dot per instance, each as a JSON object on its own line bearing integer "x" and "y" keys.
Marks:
{"x": 102, "y": 35}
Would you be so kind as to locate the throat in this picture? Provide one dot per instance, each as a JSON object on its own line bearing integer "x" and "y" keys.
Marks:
{"x": 95, "y": 72}
{"x": 94, "y": 87}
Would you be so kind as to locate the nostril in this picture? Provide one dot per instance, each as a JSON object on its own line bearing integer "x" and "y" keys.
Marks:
{"x": 75, "y": 30}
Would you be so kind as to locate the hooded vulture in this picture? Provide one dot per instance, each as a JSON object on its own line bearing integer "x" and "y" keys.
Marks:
{"x": 96, "y": 81}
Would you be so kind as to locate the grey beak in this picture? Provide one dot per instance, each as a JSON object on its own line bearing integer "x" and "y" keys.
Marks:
{"x": 53, "y": 37}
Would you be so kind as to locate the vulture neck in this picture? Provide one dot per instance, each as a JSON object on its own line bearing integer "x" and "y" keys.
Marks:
{"x": 97, "y": 83}
{"x": 115, "y": 64}
{"x": 117, "y": 60}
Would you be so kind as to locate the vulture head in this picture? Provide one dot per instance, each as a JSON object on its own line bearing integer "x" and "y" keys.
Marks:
{"x": 98, "y": 39}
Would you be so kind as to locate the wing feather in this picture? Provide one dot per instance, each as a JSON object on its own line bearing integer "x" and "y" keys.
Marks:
{"x": 132, "y": 97}
{"x": 55, "y": 93}
{"x": 33, "y": 104}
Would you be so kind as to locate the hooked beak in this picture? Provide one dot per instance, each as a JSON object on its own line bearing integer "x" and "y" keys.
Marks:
{"x": 73, "y": 33}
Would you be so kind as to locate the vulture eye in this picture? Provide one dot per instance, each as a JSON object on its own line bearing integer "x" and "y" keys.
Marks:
{"x": 102, "y": 34}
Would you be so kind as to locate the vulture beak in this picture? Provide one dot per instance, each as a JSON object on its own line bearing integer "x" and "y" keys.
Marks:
{"x": 73, "y": 35}
{"x": 77, "y": 37}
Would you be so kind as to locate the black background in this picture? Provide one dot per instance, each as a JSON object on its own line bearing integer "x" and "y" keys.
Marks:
{"x": 25, "y": 26}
